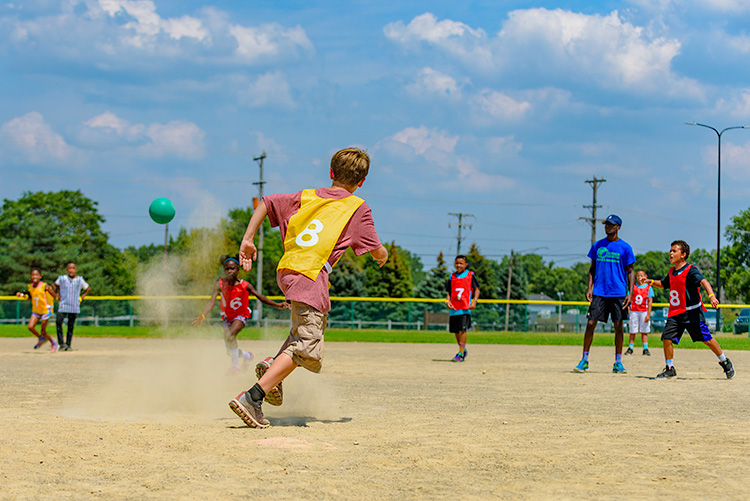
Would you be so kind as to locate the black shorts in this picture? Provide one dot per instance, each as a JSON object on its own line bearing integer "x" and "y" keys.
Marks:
{"x": 601, "y": 308}
{"x": 673, "y": 330}
{"x": 459, "y": 323}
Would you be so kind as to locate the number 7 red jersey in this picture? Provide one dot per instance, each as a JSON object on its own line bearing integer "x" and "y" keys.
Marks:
{"x": 234, "y": 300}
{"x": 461, "y": 291}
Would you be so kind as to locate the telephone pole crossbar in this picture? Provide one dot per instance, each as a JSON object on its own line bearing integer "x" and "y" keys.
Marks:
{"x": 461, "y": 225}
{"x": 593, "y": 220}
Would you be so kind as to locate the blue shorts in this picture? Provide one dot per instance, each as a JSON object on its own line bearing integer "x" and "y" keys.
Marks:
{"x": 698, "y": 331}
{"x": 43, "y": 316}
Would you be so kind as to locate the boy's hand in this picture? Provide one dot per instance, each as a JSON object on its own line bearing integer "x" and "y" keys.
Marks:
{"x": 626, "y": 303}
{"x": 197, "y": 321}
{"x": 20, "y": 294}
{"x": 284, "y": 306}
{"x": 590, "y": 295}
{"x": 648, "y": 317}
{"x": 714, "y": 302}
{"x": 248, "y": 254}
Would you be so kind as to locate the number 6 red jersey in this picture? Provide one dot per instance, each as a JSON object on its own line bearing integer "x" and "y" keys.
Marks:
{"x": 234, "y": 300}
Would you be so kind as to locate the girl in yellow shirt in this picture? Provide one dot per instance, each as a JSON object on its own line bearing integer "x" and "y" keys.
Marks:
{"x": 42, "y": 297}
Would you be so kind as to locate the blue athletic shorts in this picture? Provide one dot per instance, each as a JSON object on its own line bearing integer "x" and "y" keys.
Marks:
{"x": 674, "y": 330}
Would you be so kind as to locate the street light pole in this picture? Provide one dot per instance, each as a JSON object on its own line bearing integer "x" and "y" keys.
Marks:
{"x": 718, "y": 210}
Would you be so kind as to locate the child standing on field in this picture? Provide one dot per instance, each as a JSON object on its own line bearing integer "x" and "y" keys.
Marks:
{"x": 317, "y": 226}
{"x": 69, "y": 288}
{"x": 42, "y": 297}
{"x": 640, "y": 312}
{"x": 686, "y": 309}
{"x": 235, "y": 309}
{"x": 463, "y": 293}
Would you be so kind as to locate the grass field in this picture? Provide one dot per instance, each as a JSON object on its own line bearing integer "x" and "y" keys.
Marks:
{"x": 727, "y": 341}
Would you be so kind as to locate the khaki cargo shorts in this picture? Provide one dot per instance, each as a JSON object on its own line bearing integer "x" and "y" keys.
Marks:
{"x": 305, "y": 342}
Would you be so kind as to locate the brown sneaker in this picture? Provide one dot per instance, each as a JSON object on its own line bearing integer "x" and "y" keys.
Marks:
{"x": 276, "y": 395}
{"x": 249, "y": 412}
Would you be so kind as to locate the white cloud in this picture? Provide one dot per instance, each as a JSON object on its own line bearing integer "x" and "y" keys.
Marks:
{"x": 268, "y": 40}
{"x": 737, "y": 105}
{"x": 32, "y": 140}
{"x": 729, "y": 6}
{"x": 110, "y": 122}
{"x": 271, "y": 89}
{"x": 438, "y": 149}
{"x": 454, "y": 37}
{"x": 178, "y": 138}
{"x": 559, "y": 45}
{"x": 735, "y": 159}
{"x": 117, "y": 33}
{"x": 500, "y": 106}
{"x": 431, "y": 82}
{"x": 147, "y": 24}
{"x": 426, "y": 142}
{"x": 504, "y": 146}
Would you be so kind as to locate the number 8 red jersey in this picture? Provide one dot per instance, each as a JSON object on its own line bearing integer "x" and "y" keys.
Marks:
{"x": 234, "y": 300}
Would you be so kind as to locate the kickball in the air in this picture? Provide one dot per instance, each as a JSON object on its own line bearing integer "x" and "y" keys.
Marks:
{"x": 161, "y": 210}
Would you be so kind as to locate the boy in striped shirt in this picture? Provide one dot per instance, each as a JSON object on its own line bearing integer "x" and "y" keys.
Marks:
{"x": 69, "y": 288}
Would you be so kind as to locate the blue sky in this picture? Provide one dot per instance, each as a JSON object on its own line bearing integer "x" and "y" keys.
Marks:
{"x": 498, "y": 109}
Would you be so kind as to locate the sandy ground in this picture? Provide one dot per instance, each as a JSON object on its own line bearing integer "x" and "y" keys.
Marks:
{"x": 148, "y": 419}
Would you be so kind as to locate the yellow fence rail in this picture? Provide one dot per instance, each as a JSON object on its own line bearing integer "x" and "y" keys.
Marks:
{"x": 373, "y": 300}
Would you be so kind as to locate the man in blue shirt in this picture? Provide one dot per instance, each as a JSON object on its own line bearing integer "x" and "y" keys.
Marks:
{"x": 611, "y": 279}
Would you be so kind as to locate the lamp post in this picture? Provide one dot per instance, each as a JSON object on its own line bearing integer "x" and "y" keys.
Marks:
{"x": 559, "y": 311}
{"x": 718, "y": 210}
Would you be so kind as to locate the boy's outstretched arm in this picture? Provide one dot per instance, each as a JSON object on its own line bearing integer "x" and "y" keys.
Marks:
{"x": 380, "y": 255}
{"x": 248, "y": 251}
{"x": 711, "y": 296}
{"x": 656, "y": 283}
{"x": 209, "y": 306}
{"x": 265, "y": 300}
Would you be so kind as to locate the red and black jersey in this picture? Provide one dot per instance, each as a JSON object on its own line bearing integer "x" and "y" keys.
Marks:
{"x": 684, "y": 292}
{"x": 234, "y": 300}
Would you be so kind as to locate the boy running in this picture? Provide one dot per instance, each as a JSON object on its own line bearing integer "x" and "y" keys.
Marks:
{"x": 317, "y": 226}
{"x": 235, "y": 309}
{"x": 640, "y": 312}
{"x": 463, "y": 293}
{"x": 69, "y": 288}
{"x": 42, "y": 297}
{"x": 686, "y": 309}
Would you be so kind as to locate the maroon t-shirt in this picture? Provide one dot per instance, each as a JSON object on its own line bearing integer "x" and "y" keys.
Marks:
{"x": 359, "y": 234}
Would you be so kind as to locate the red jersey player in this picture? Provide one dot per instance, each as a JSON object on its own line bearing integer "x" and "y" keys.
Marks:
{"x": 235, "y": 309}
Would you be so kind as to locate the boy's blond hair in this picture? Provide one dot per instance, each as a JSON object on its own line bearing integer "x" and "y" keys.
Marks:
{"x": 350, "y": 166}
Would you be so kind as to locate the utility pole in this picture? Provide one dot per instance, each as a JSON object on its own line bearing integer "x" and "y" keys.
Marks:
{"x": 259, "y": 261}
{"x": 592, "y": 220}
{"x": 461, "y": 225}
{"x": 166, "y": 239}
{"x": 507, "y": 295}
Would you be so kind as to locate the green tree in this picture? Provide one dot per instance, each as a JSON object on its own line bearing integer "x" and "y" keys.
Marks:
{"x": 735, "y": 271}
{"x": 489, "y": 275}
{"x": 48, "y": 229}
{"x": 433, "y": 284}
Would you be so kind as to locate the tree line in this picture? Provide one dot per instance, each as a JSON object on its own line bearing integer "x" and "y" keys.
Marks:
{"x": 48, "y": 229}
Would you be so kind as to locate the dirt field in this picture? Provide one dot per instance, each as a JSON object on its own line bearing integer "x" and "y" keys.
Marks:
{"x": 148, "y": 419}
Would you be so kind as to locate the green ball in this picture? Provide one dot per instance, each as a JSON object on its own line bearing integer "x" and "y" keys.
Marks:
{"x": 161, "y": 210}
